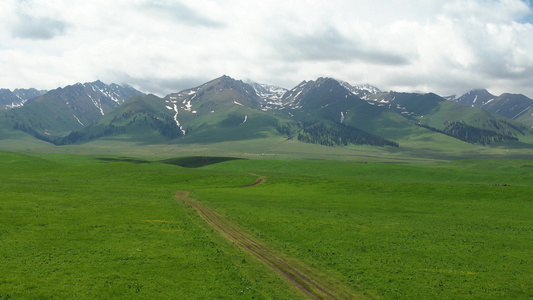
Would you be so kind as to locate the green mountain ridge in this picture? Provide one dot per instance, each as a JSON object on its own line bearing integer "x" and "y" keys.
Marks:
{"x": 225, "y": 110}
{"x": 64, "y": 110}
{"x": 142, "y": 118}
{"x": 469, "y": 124}
{"x": 513, "y": 106}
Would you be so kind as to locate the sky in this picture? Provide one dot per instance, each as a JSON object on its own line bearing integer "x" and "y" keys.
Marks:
{"x": 163, "y": 46}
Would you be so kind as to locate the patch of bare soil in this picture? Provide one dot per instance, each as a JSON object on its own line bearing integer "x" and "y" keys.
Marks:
{"x": 258, "y": 181}
{"x": 304, "y": 278}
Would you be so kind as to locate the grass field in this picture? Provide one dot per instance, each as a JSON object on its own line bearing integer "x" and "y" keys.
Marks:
{"x": 83, "y": 227}
{"x": 90, "y": 227}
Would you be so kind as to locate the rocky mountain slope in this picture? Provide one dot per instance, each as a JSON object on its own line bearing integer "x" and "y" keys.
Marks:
{"x": 512, "y": 106}
{"x": 63, "y": 110}
{"x": 323, "y": 111}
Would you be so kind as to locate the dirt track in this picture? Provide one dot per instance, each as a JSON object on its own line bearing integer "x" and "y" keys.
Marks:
{"x": 258, "y": 181}
{"x": 295, "y": 272}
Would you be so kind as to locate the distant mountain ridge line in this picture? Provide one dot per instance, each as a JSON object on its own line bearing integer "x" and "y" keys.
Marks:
{"x": 324, "y": 111}
{"x": 513, "y": 106}
{"x": 273, "y": 92}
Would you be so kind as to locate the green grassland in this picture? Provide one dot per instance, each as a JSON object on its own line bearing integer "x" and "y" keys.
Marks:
{"x": 90, "y": 227}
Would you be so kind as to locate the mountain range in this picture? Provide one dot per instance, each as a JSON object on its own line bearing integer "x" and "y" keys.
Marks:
{"x": 63, "y": 110}
{"x": 17, "y": 98}
{"x": 513, "y": 106}
{"x": 324, "y": 111}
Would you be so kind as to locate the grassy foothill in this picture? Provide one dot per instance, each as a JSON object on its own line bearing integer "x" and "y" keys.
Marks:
{"x": 90, "y": 227}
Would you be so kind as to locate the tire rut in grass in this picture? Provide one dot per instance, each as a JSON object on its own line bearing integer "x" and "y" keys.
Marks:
{"x": 301, "y": 276}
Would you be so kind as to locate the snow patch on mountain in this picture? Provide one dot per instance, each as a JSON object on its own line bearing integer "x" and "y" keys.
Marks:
{"x": 113, "y": 91}
{"x": 188, "y": 105}
{"x": 15, "y": 105}
{"x": 176, "y": 119}
{"x": 17, "y": 98}
{"x": 363, "y": 91}
{"x": 523, "y": 111}
{"x": 97, "y": 103}
{"x": 78, "y": 120}
{"x": 270, "y": 95}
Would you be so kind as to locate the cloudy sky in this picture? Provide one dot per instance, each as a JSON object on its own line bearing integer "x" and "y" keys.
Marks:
{"x": 162, "y": 46}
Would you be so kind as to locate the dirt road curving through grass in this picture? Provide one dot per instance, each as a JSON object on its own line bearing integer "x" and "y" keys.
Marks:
{"x": 310, "y": 282}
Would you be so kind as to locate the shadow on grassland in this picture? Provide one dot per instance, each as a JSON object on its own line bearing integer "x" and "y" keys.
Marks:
{"x": 197, "y": 161}
{"x": 124, "y": 159}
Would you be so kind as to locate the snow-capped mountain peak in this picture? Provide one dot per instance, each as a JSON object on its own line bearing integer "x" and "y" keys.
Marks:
{"x": 362, "y": 91}
{"x": 475, "y": 98}
{"x": 12, "y": 99}
{"x": 270, "y": 95}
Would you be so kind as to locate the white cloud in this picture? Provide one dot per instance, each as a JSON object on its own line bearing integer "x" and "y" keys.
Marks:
{"x": 162, "y": 46}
